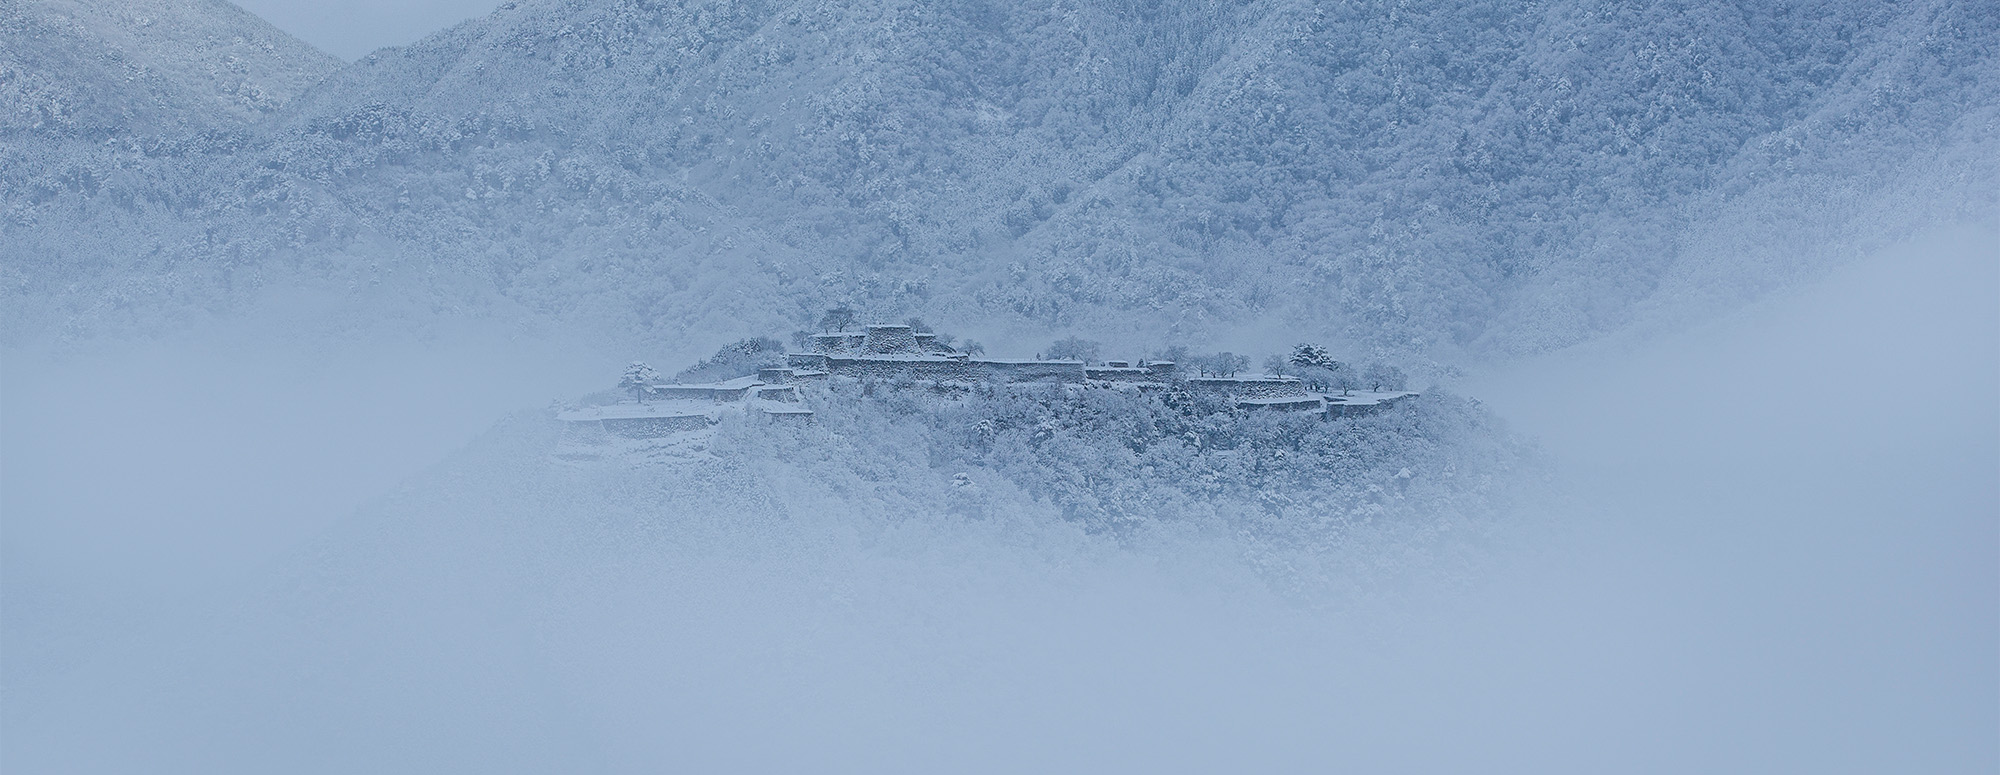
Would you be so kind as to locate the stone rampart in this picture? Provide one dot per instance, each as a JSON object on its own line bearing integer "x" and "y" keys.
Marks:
{"x": 1248, "y": 387}
{"x": 653, "y": 427}
{"x": 891, "y": 340}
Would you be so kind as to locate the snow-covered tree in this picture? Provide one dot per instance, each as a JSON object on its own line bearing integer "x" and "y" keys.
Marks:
{"x": 1380, "y": 376}
{"x": 638, "y": 380}
{"x": 1223, "y": 364}
{"x": 1316, "y": 377}
{"x": 1308, "y": 355}
{"x": 1345, "y": 379}
{"x": 1074, "y": 349}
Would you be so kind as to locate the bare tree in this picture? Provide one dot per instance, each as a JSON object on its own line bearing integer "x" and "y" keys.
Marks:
{"x": 1222, "y": 364}
{"x": 1074, "y": 349}
{"x": 1345, "y": 378}
{"x": 1380, "y": 376}
{"x": 837, "y": 319}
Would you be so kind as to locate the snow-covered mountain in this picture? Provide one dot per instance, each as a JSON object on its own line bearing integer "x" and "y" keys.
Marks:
{"x": 145, "y": 66}
{"x": 1426, "y": 177}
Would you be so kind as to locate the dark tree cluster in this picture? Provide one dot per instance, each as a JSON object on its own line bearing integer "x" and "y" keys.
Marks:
{"x": 1321, "y": 371}
{"x": 1074, "y": 349}
{"x": 839, "y": 318}
{"x": 1108, "y": 458}
{"x": 1222, "y": 364}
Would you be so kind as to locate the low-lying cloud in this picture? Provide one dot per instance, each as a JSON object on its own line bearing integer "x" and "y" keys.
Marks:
{"x": 1777, "y": 553}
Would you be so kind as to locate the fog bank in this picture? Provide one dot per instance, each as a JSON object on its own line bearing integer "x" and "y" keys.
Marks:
{"x": 1778, "y": 553}
{"x": 1786, "y": 525}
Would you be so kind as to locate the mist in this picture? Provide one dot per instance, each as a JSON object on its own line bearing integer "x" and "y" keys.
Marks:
{"x": 1404, "y": 386}
{"x": 353, "y": 28}
{"x": 1783, "y": 563}
{"x": 1753, "y": 560}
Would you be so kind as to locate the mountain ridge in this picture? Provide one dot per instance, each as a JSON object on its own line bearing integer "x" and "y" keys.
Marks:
{"x": 206, "y": 64}
{"x": 1427, "y": 178}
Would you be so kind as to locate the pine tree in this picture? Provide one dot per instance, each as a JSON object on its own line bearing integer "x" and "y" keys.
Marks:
{"x": 1306, "y": 355}
{"x": 638, "y": 380}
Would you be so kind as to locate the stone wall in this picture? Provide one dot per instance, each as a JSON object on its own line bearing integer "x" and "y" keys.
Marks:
{"x": 1248, "y": 387}
{"x": 814, "y": 361}
{"x": 837, "y": 344}
{"x": 902, "y": 368}
{"x": 784, "y": 393}
{"x": 700, "y": 392}
{"x": 891, "y": 340}
{"x": 1120, "y": 374}
{"x": 653, "y": 427}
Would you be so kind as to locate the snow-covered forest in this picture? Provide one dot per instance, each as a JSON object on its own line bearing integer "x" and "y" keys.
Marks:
{"x": 1420, "y": 176}
{"x": 1681, "y": 318}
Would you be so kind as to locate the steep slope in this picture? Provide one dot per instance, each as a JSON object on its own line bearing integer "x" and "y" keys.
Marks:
{"x": 1425, "y": 177}
{"x": 1423, "y": 168}
{"x": 114, "y": 117}
{"x": 145, "y": 66}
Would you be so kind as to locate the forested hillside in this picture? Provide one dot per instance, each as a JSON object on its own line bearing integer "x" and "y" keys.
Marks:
{"x": 1428, "y": 177}
{"x": 144, "y": 68}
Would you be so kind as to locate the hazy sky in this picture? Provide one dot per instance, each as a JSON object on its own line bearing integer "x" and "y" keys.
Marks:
{"x": 349, "y": 29}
